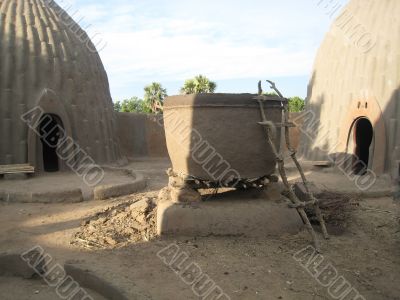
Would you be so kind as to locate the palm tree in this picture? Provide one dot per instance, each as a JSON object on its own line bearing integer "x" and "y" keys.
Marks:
{"x": 198, "y": 85}
{"x": 189, "y": 87}
{"x": 154, "y": 95}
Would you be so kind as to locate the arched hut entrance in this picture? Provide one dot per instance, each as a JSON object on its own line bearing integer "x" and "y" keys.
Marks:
{"x": 51, "y": 123}
{"x": 51, "y": 130}
{"x": 363, "y": 135}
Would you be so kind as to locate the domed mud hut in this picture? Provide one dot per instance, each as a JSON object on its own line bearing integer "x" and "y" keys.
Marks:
{"x": 353, "y": 115}
{"x": 48, "y": 61}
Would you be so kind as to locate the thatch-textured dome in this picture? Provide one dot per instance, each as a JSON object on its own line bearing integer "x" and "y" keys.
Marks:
{"x": 357, "y": 77}
{"x": 46, "y": 59}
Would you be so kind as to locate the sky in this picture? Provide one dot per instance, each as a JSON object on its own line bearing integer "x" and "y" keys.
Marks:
{"x": 234, "y": 43}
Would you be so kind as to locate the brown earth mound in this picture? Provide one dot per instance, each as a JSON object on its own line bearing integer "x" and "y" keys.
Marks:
{"x": 127, "y": 223}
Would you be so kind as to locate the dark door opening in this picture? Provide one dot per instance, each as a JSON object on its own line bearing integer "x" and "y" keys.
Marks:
{"x": 50, "y": 131}
{"x": 363, "y": 135}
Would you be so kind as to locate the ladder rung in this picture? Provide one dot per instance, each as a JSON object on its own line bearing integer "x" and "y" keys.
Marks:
{"x": 270, "y": 98}
{"x": 290, "y": 124}
{"x": 278, "y": 125}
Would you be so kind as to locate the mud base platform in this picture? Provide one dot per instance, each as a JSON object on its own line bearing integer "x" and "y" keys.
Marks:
{"x": 238, "y": 213}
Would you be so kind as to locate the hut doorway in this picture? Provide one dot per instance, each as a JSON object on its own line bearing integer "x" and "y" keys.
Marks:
{"x": 363, "y": 137}
{"x": 50, "y": 130}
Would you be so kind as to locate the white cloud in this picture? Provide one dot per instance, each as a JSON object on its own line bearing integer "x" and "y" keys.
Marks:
{"x": 144, "y": 53}
{"x": 173, "y": 40}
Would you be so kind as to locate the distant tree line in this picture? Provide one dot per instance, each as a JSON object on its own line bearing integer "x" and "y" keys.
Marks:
{"x": 152, "y": 102}
{"x": 155, "y": 94}
{"x": 296, "y": 104}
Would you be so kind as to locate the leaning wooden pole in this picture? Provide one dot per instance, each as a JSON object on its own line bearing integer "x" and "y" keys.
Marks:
{"x": 295, "y": 202}
{"x": 311, "y": 199}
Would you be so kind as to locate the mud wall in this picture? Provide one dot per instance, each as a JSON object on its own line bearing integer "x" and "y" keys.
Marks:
{"x": 141, "y": 135}
{"x": 298, "y": 120}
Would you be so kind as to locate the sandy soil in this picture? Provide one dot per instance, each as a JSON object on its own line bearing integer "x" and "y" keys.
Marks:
{"x": 366, "y": 253}
{"x": 21, "y": 289}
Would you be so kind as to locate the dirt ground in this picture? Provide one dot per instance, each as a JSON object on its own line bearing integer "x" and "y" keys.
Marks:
{"x": 61, "y": 181}
{"x": 365, "y": 252}
{"x": 16, "y": 288}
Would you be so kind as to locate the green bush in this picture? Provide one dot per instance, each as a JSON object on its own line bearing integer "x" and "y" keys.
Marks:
{"x": 131, "y": 105}
{"x": 296, "y": 104}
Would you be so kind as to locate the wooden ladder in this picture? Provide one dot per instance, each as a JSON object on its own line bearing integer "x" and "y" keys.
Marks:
{"x": 270, "y": 128}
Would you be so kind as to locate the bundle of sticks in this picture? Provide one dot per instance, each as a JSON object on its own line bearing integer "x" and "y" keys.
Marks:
{"x": 16, "y": 169}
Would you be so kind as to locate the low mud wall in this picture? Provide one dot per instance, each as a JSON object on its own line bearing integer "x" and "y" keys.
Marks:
{"x": 295, "y": 132}
{"x": 141, "y": 135}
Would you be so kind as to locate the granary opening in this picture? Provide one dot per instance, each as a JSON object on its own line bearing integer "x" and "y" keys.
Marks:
{"x": 363, "y": 136}
{"x": 50, "y": 129}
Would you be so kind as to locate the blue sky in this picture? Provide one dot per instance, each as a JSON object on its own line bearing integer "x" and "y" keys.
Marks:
{"x": 234, "y": 43}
